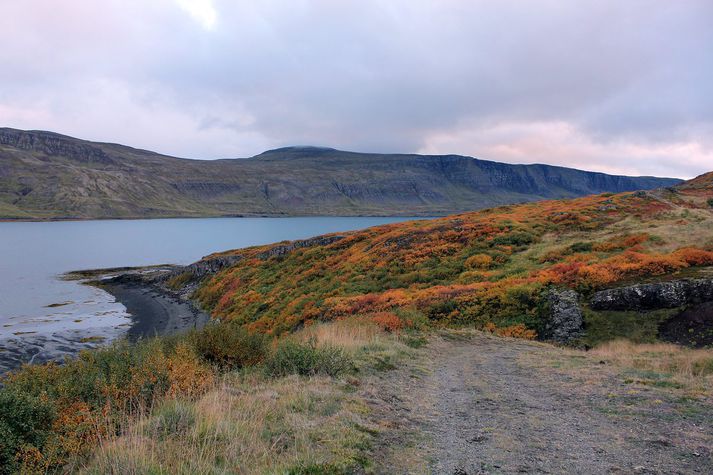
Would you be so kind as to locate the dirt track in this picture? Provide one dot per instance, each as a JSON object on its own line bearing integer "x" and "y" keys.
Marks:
{"x": 491, "y": 405}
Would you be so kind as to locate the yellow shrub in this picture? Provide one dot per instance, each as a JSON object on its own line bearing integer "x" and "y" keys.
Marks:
{"x": 479, "y": 261}
{"x": 188, "y": 376}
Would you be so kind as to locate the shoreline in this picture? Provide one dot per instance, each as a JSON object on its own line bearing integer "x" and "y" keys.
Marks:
{"x": 152, "y": 310}
{"x": 259, "y": 215}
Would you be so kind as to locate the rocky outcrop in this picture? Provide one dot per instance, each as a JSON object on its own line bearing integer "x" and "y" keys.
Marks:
{"x": 52, "y": 144}
{"x": 564, "y": 321}
{"x": 282, "y": 249}
{"x": 208, "y": 266}
{"x": 658, "y": 295}
{"x": 204, "y": 267}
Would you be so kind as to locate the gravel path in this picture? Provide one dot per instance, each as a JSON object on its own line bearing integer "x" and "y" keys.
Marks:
{"x": 491, "y": 405}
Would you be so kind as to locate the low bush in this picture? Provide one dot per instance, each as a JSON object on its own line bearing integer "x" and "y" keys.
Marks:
{"x": 388, "y": 321}
{"x": 52, "y": 415}
{"x": 307, "y": 359}
{"x": 517, "y": 238}
{"x": 620, "y": 243}
{"x": 229, "y": 346}
{"x": 24, "y": 421}
{"x": 581, "y": 247}
{"x": 479, "y": 261}
{"x": 512, "y": 331}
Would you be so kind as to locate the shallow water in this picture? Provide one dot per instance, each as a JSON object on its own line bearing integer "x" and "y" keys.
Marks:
{"x": 35, "y": 302}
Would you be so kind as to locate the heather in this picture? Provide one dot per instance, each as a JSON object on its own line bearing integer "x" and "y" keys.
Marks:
{"x": 489, "y": 267}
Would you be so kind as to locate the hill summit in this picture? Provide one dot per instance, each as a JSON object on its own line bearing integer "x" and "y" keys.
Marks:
{"x": 44, "y": 175}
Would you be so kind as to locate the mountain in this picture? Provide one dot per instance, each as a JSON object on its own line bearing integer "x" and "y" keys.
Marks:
{"x": 44, "y": 175}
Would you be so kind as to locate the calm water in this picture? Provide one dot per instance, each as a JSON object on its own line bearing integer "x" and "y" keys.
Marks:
{"x": 33, "y": 300}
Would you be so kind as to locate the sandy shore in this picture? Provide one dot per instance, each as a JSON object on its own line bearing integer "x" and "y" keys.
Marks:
{"x": 153, "y": 312}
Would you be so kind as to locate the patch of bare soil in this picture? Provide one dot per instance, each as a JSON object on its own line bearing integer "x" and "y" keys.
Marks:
{"x": 482, "y": 404}
{"x": 692, "y": 327}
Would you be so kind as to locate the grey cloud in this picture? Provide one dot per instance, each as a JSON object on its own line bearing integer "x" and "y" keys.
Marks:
{"x": 443, "y": 77}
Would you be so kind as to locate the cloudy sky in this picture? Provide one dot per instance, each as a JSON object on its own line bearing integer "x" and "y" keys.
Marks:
{"x": 621, "y": 86}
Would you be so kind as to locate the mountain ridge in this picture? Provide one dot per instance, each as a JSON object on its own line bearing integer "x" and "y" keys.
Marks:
{"x": 45, "y": 175}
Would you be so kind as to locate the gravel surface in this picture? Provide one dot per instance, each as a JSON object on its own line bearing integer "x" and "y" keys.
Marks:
{"x": 489, "y": 405}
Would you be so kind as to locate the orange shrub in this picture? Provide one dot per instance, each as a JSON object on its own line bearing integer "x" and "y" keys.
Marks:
{"x": 620, "y": 243}
{"x": 512, "y": 331}
{"x": 695, "y": 257}
{"x": 388, "y": 321}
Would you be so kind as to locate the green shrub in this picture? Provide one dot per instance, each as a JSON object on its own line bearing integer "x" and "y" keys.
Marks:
{"x": 710, "y": 202}
{"x": 123, "y": 374}
{"x": 581, "y": 247}
{"x": 307, "y": 359}
{"x": 441, "y": 310}
{"x": 517, "y": 238}
{"x": 229, "y": 346}
{"x": 24, "y": 420}
{"x": 412, "y": 318}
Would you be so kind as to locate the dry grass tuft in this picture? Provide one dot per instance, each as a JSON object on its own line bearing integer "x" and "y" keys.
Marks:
{"x": 350, "y": 334}
{"x": 690, "y": 367}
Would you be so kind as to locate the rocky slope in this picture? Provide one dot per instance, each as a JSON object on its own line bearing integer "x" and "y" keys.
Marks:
{"x": 578, "y": 271}
{"x": 51, "y": 176}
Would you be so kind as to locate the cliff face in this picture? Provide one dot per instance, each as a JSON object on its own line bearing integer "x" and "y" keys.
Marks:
{"x": 47, "y": 175}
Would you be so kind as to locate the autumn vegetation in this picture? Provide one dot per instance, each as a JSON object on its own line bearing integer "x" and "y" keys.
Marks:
{"x": 485, "y": 268}
{"x": 258, "y": 391}
{"x": 126, "y": 408}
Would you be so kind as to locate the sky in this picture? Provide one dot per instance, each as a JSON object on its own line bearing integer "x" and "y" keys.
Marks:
{"x": 607, "y": 85}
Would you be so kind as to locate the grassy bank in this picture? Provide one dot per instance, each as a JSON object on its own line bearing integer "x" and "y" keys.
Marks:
{"x": 220, "y": 399}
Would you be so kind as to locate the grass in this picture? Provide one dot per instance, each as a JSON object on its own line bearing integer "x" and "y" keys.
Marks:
{"x": 249, "y": 424}
{"x": 661, "y": 364}
{"x": 639, "y": 327}
{"x": 348, "y": 334}
{"x": 276, "y": 417}
{"x": 307, "y": 359}
{"x": 152, "y": 393}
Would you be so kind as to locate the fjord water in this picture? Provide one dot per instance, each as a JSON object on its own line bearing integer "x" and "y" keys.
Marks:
{"x": 33, "y": 256}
